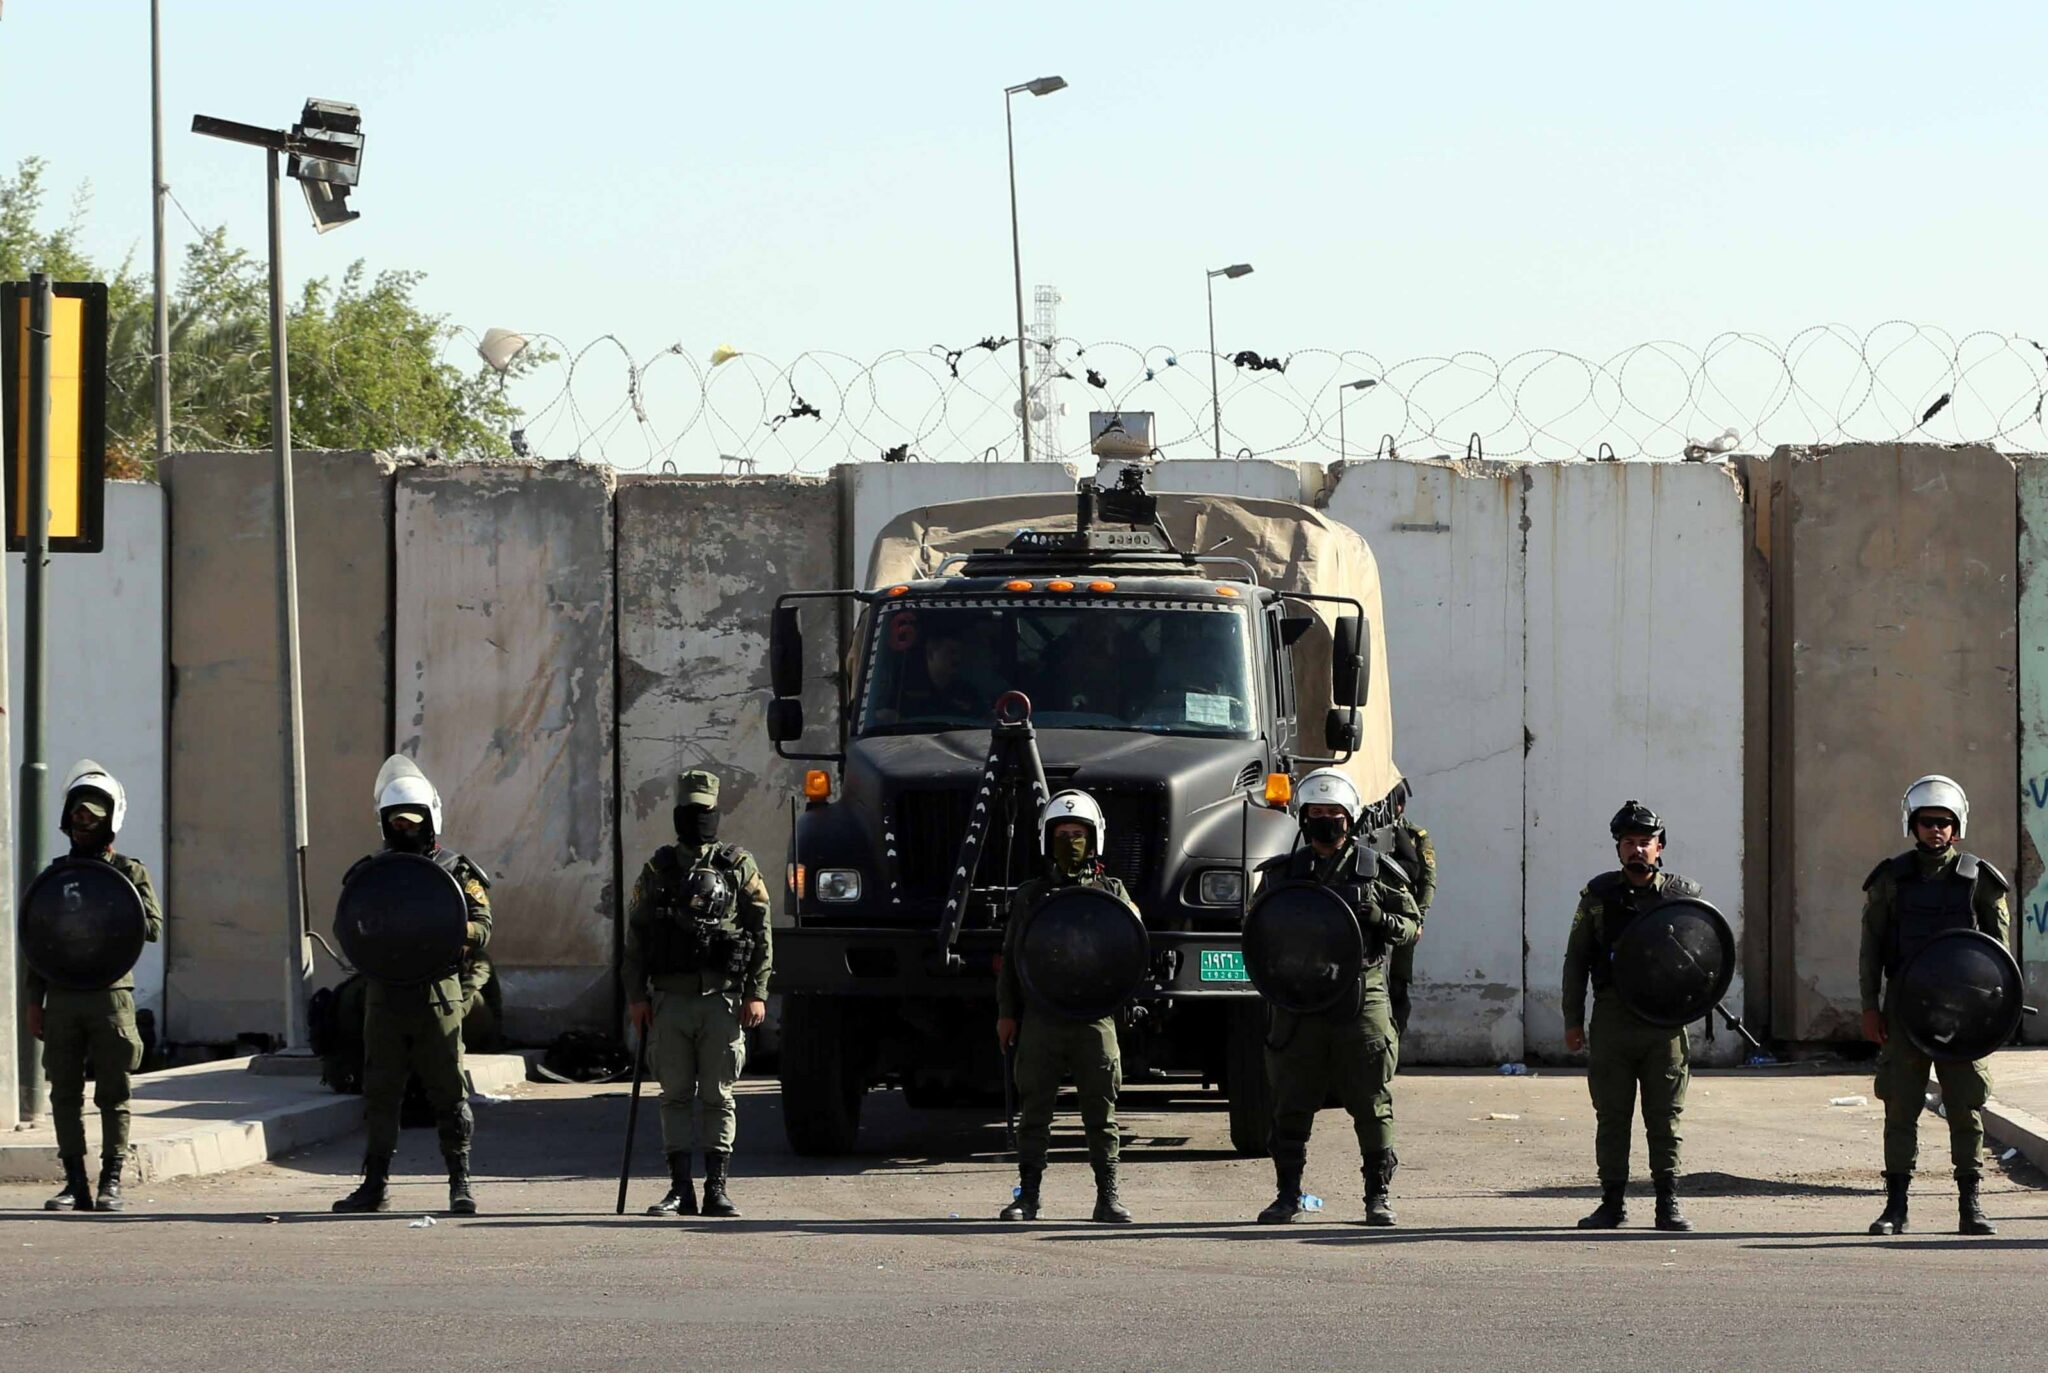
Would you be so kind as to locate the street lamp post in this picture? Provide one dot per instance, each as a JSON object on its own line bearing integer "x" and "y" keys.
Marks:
{"x": 1363, "y": 384}
{"x": 326, "y": 149}
{"x": 1044, "y": 85}
{"x": 1236, "y": 270}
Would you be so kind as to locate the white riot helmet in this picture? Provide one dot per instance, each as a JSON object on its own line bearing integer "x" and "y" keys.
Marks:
{"x": 90, "y": 776}
{"x": 1935, "y": 792}
{"x": 1071, "y": 805}
{"x": 402, "y": 786}
{"x": 1329, "y": 787}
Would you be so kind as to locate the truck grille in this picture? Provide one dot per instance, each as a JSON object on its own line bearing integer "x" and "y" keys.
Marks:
{"x": 929, "y": 824}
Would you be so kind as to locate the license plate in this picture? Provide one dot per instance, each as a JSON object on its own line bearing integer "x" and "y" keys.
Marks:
{"x": 1223, "y": 965}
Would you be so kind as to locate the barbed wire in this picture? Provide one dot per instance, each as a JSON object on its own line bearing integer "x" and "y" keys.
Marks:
{"x": 701, "y": 409}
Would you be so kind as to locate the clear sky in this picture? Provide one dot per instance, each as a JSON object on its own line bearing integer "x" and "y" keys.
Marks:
{"x": 1406, "y": 179}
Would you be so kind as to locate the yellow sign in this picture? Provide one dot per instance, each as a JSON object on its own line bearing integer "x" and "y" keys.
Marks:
{"x": 77, "y": 424}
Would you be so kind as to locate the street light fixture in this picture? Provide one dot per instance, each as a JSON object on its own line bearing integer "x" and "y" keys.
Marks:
{"x": 1232, "y": 272}
{"x": 326, "y": 152}
{"x": 1044, "y": 85}
{"x": 1363, "y": 384}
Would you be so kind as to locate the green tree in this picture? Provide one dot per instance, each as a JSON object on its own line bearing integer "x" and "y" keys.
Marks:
{"x": 367, "y": 362}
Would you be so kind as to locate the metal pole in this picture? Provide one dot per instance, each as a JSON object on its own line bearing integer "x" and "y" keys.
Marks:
{"x": 1017, "y": 267}
{"x": 35, "y": 684}
{"x": 12, "y": 1001}
{"x": 161, "y": 333}
{"x": 1340, "y": 421}
{"x": 1215, "y": 398}
{"x": 298, "y": 961}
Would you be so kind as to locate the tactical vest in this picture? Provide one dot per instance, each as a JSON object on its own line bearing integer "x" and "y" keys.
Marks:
{"x": 680, "y": 940}
{"x": 1406, "y": 852}
{"x": 1354, "y": 884}
{"x": 1927, "y": 906}
{"x": 1616, "y": 903}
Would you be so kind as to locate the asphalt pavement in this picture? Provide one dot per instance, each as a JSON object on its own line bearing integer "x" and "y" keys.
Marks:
{"x": 891, "y": 1259}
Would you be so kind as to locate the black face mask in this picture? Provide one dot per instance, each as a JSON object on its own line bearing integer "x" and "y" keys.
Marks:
{"x": 1325, "y": 829}
{"x": 96, "y": 840}
{"x": 696, "y": 824}
{"x": 418, "y": 839}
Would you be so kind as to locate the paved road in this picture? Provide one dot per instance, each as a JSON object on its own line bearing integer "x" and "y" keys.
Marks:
{"x": 863, "y": 1264}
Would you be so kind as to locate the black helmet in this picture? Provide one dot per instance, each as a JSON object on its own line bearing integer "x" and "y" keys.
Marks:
{"x": 1635, "y": 818}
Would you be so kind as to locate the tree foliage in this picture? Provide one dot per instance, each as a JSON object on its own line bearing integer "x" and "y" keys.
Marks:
{"x": 367, "y": 362}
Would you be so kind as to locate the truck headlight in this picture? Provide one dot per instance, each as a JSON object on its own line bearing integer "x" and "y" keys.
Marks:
{"x": 838, "y": 884}
{"x": 1221, "y": 887}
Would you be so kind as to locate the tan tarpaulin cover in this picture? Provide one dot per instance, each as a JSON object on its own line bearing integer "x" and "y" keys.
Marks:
{"x": 1292, "y": 547}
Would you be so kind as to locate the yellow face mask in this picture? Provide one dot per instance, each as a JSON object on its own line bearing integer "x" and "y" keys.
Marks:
{"x": 1070, "y": 853}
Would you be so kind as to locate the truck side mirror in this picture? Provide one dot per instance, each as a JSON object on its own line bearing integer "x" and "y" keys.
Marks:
{"x": 785, "y": 720}
{"x": 1343, "y": 731}
{"x": 786, "y": 657}
{"x": 1350, "y": 651}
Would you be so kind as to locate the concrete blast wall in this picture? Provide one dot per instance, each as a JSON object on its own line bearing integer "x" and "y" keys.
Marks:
{"x": 699, "y": 566}
{"x": 225, "y": 896}
{"x": 1893, "y": 656}
{"x": 2030, "y": 899}
{"x": 1635, "y": 635}
{"x": 104, "y": 669}
{"x": 504, "y": 691}
{"x": 872, "y": 494}
{"x": 1449, "y": 546}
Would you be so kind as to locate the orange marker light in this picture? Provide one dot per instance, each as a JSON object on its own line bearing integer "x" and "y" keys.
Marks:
{"x": 1279, "y": 789}
{"x": 1016, "y": 586}
{"x": 899, "y": 591}
{"x": 1226, "y": 591}
{"x": 817, "y": 785}
{"x": 1059, "y": 586}
{"x": 796, "y": 879}
{"x": 1102, "y": 586}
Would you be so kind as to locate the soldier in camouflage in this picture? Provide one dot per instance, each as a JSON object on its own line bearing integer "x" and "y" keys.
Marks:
{"x": 698, "y": 953}
{"x": 1410, "y": 846}
{"x": 1908, "y": 900}
{"x": 93, "y": 1028}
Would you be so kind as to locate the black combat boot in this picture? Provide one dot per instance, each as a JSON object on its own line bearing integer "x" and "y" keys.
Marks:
{"x": 1612, "y": 1210}
{"x": 1893, "y": 1221}
{"x": 1379, "y": 1177}
{"x": 1973, "y": 1220}
{"x": 682, "y": 1188}
{"x": 1024, "y": 1206}
{"x": 716, "y": 1202}
{"x": 110, "y": 1186}
{"x": 371, "y": 1195}
{"x": 1286, "y": 1205}
{"x": 77, "y": 1193}
{"x": 1669, "y": 1217}
{"x": 460, "y": 1201}
{"x": 1109, "y": 1207}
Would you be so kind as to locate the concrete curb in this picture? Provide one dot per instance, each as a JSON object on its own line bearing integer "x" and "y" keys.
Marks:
{"x": 2011, "y": 1128}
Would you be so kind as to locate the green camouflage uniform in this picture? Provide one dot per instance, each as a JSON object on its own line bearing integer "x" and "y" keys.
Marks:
{"x": 416, "y": 1027}
{"x": 699, "y": 1048}
{"x": 1902, "y": 1071}
{"x": 1351, "y": 1049}
{"x": 1050, "y": 1047}
{"x": 95, "y": 1029}
{"x": 1413, "y": 849}
{"x": 1624, "y": 1052}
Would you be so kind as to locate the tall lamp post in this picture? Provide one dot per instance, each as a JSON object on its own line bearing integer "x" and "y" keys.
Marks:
{"x": 1236, "y": 270}
{"x": 1044, "y": 85}
{"x": 326, "y": 152}
{"x": 1363, "y": 384}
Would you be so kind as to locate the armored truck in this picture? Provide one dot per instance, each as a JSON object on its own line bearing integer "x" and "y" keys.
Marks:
{"x": 1179, "y": 657}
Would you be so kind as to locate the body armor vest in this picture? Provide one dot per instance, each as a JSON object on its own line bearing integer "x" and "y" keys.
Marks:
{"x": 681, "y": 939}
{"x": 1616, "y": 903}
{"x": 1353, "y": 882}
{"x": 1928, "y": 906}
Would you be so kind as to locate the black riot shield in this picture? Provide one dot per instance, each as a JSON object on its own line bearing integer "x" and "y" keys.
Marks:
{"x": 1302, "y": 947}
{"x": 82, "y": 924}
{"x": 402, "y": 918}
{"x": 1673, "y": 963}
{"x": 1082, "y": 953}
{"x": 1958, "y": 998}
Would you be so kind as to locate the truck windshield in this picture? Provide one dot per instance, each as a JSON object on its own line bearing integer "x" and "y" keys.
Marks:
{"x": 1163, "y": 667}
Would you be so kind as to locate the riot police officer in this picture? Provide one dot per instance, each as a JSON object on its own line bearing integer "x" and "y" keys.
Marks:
{"x": 96, "y": 1028}
{"x": 1627, "y": 1054}
{"x": 697, "y": 958}
{"x": 1409, "y": 845}
{"x": 1908, "y": 900}
{"x": 1070, "y": 836}
{"x": 1351, "y": 1049}
{"x": 417, "y": 1027}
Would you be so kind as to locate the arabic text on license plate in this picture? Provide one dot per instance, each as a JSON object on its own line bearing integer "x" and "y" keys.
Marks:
{"x": 1223, "y": 965}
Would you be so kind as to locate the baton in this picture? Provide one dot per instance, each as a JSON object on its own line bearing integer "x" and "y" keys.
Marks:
{"x": 1010, "y": 1093}
{"x": 632, "y": 1118}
